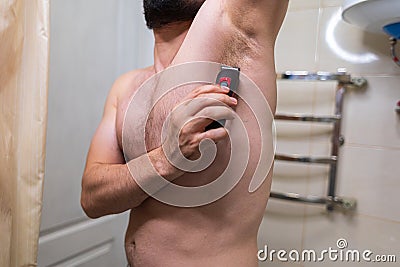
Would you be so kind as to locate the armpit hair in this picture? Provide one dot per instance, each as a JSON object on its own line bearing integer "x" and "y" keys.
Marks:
{"x": 240, "y": 50}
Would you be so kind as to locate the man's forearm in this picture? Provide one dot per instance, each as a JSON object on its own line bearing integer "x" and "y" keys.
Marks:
{"x": 111, "y": 189}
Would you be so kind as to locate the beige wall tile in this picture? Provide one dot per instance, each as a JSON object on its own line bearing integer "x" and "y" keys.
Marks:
{"x": 324, "y": 104}
{"x": 369, "y": 116}
{"x": 297, "y": 41}
{"x": 293, "y": 133}
{"x": 372, "y": 177}
{"x": 282, "y": 222}
{"x": 324, "y": 100}
{"x": 295, "y": 96}
{"x": 328, "y": 3}
{"x": 322, "y": 230}
{"x": 303, "y": 4}
{"x": 290, "y": 176}
{"x": 319, "y": 173}
{"x": 321, "y": 132}
{"x": 344, "y": 45}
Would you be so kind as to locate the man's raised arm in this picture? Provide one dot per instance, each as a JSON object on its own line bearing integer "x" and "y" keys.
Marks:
{"x": 239, "y": 33}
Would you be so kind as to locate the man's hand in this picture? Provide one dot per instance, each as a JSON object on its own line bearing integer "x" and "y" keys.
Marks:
{"x": 187, "y": 122}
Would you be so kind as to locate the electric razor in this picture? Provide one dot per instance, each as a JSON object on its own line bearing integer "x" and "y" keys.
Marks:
{"x": 228, "y": 77}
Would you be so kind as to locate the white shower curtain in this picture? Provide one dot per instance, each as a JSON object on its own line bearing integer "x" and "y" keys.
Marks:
{"x": 24, "y": 52}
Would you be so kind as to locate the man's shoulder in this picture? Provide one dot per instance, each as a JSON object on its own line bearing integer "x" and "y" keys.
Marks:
{"x": 134, "y": 78}
{"x": 129, "y": 82}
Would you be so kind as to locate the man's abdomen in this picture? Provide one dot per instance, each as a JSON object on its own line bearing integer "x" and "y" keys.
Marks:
{"x": 223, "y": 233}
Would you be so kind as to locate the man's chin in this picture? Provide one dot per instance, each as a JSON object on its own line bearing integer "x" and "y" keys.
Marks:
{"x": 159, "y": 13}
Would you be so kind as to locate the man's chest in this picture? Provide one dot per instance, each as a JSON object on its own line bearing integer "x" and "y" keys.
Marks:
{"x": 143, "y": 124}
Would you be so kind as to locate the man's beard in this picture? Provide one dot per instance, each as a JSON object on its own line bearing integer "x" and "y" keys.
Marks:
{"x": 162, "y": 12}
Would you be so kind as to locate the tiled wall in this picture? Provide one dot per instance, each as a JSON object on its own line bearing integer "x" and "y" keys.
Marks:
{"x": 315, "y": 38}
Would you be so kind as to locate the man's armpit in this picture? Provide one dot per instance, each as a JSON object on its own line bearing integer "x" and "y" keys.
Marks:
{"x": 240, "y": 50}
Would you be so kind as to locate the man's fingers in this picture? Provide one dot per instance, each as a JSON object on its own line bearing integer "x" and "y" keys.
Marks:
{"x": 226, "y": 99}
{"x": 206, "y": 116}
{"x": 212, "y": 113}
{"x": 205, "y": 89}
{"x": 211, "y": 99}
{"x": 202, "y": 106}
{"x": 216, "y": 135}
{"x": 195, "y": 112}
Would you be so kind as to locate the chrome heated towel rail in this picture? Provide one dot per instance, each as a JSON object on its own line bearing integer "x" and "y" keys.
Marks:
{"x": 344, "y": 81}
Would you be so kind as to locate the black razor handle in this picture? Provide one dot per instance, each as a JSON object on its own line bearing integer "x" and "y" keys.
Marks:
{"x": 228, "y": 77}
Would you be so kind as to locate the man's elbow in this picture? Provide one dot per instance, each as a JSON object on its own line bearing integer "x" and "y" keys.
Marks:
{"x": 88, "y": 202}
{"x": 87, "y": 206}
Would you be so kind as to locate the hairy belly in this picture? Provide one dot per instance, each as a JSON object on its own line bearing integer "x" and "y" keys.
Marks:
{"x": 159, "y": 233}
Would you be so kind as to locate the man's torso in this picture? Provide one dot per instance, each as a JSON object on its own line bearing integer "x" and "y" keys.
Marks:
{"x": 224, "y": 230}
{"x": 222, "y": 233}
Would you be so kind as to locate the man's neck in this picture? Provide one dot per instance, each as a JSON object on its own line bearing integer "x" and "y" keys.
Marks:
{"x": 168, "y": 40}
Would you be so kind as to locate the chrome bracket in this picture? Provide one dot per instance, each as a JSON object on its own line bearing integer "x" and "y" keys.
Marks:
{"x": 393, "y": 42}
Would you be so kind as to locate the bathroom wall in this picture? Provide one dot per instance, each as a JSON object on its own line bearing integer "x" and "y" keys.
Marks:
{"x": 315, "y": 38}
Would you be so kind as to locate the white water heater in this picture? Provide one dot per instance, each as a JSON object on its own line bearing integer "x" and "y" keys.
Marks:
{"x": 375, "y": 16}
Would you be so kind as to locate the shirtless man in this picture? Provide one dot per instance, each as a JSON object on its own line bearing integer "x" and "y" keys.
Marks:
{"x": 223, "y": 233}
